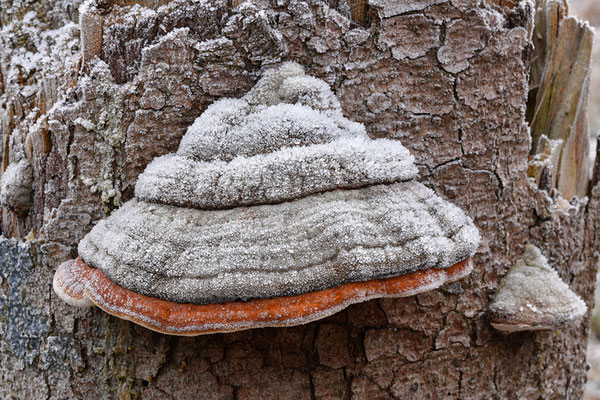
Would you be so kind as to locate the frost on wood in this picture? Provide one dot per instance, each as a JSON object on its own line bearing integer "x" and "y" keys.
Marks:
{"x": 391, "y": 8}
{"x": 16, "y": 186}
{"x": 38, "y": 48}
{"x": 90, "y": 24}
{"x": 355, "y": 212}
{"x": 532, "y": 297}
{"x": 543, "y": 165}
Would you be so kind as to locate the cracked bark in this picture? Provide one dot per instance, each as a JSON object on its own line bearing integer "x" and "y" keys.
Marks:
{"x": 447, "y": 78}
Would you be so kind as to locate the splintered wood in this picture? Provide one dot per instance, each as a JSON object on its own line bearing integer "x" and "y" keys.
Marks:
{"x": 559, "y": 84}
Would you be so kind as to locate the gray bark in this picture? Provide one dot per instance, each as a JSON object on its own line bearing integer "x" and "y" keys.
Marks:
{"x": 447, "y": 78}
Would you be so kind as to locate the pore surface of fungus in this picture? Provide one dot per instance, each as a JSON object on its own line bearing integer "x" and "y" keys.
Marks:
{"x": 276, "y": 210}
{"x": 533, "y": 297}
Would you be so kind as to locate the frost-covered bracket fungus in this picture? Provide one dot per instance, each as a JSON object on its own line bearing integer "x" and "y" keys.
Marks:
{"x": 275, "y": 211}
{"x": 533, "y": 297}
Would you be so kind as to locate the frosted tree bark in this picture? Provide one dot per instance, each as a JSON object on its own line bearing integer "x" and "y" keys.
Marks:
{"x": 447, "y": 78}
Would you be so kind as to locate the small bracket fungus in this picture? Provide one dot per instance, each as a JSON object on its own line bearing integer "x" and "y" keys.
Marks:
{"x": 276, "y": 210}
{"x": 533, "y": 297}
{"x": 16, "y": 186}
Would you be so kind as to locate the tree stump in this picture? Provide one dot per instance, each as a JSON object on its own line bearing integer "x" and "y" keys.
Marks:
{"x": 448, "y": 78}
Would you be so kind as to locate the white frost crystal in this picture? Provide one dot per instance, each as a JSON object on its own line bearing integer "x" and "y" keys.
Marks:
{"x": 532, "y": 296}
{"x": 276, "y": 194}
{"x": 16, "y": 185}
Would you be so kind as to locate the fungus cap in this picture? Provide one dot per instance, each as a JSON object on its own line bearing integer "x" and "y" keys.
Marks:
{"x": 533, "y": 297}
{"x": 276, "y": 210}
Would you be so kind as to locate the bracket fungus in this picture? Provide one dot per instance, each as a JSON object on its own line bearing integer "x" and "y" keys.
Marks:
{"x": 276, "y": 210}
{"x": 533, "y": 297}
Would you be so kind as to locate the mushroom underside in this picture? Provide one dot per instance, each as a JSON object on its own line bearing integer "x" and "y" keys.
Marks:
{"x": 517, "y": 323}
{"x": 81, "y": 285}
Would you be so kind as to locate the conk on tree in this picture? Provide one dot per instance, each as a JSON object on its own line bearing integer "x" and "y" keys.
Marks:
{"x": 275, "y": 211}
{"x": 532, "y": 297}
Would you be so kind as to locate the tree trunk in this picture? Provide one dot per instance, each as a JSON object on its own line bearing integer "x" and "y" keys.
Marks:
{"x": 448, "y": 78}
